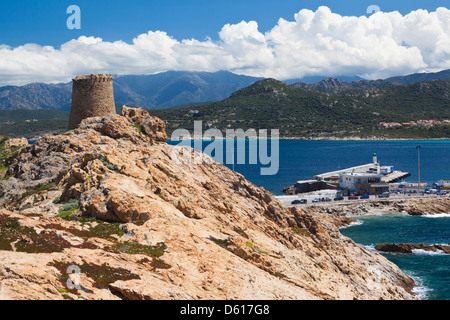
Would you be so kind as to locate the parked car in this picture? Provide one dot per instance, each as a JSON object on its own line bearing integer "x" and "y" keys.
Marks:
{"x": 384, "y": 195}
{"x": 352, "y": 198}
{"x": 316, "y": 200}
{"x": 299, "y": 201}
{"x": 441, "y": 193}
{"x": 339, "y": 198}
{"x": 325, "y": 199}
{"x": 366, "y": 196}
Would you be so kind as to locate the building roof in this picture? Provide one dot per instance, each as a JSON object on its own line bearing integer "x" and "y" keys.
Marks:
{"x": 361, "y": 174}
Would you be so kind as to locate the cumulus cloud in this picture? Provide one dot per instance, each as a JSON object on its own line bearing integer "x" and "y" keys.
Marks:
{"x": 315, "y": 43}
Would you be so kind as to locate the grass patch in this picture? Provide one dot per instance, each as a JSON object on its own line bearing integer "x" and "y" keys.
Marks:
{"x": 139, "y": 128}
{"x": 27, "y": 240}
{"x": 302, "y": 231}
{"x": 38, "y": 189}
{"x": 102, "y": 275}
{"x": 109, "y": 165}
{"x": 136, "y": 248}
{"x": 67, "y": 209}
{"x": 101, "y": 229}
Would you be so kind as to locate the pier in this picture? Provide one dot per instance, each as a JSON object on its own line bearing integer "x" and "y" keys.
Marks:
{"x": 369, "y": 178}
{"x": 395, "y": 176}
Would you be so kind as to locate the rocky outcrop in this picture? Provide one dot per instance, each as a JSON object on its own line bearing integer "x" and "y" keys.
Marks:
{"x": 17, "y": 142}
{"x": 409, "y": 247}
{"x": 109, "y": 199}
{"x": 411, "y": 206}
{"x": 418, "y": 207}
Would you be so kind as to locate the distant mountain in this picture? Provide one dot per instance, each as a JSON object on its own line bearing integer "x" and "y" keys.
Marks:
{"x": 36, "y": 96}
{"x": 316, "y": 79}
{"x": 163, "y": 90}
{"x": 174, "y": 88}
{"x": 334, "y": 85}
{"x": 419, "y": 77}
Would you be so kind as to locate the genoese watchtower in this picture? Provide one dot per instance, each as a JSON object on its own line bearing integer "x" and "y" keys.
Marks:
{"x": 92, "y": 96}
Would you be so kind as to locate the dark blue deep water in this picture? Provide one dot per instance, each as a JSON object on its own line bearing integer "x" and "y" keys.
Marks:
{"x": 300, "y": 160}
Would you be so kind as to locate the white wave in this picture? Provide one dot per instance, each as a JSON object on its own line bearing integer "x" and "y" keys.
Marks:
{"x": 420, "y": 290}
{"x": 437, "y": 215}
{"x": 370, "y": 247}
{"x": 421, "y": 252}
{"x": 356, "y": 223}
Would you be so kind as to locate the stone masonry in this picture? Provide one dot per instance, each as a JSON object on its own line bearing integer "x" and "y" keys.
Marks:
{"x": 92, "y": 96}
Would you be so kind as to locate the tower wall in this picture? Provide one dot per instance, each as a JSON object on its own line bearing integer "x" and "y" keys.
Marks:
{"x": 92, "y": 96}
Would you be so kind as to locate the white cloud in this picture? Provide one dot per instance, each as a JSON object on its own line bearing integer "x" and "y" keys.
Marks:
{"x": 314, "y": 43}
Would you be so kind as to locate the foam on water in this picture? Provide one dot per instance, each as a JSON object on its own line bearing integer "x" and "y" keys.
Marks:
{"x": 420, "y": 290}
{"x": 356, "y": 223}
{"x": 370, "y": 247}
{"x": 422, "y": 252}
{"x": 438, "y": 215}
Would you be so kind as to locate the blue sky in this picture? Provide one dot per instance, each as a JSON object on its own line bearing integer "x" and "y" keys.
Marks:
{"x": 44, "y": 21}
{"x": 283, "y": 39}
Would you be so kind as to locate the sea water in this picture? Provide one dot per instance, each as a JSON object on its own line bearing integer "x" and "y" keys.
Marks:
{"x": 301, "y": 160}
{"x": 430, "y": 270}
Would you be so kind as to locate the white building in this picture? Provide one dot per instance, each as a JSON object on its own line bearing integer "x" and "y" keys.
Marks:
{"x": 444, "y": 182}
{"x": 362, "y": 183}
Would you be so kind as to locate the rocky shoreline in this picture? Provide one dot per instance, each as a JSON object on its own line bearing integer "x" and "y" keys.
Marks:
{"x": 409, "y": 248}
{"x": 109, "y": 200}
{"x": 413, "y": 206}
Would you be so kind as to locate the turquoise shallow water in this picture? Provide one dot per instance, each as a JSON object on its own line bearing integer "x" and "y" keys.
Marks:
{"x": 300, "y": 160}
{"x": 430, "y": 270}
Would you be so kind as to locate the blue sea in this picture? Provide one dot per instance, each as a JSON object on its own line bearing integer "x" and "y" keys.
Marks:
{"x": 431, "y": 271}
{"x": 299, "y": 160}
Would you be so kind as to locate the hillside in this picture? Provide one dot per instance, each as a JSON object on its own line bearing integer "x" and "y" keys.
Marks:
{"x": 108, "y": 199}
{"x": 271, "y": 104}
{"x": 32, "y": 123}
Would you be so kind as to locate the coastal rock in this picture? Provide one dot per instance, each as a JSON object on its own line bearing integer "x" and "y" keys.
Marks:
{"x": 418, "y": 207}
{"x": 139, "y": 225}
{"x": 411, "y": 206}
{"x": 409, "y": 247}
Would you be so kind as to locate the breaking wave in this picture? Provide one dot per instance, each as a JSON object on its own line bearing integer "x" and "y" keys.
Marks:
{"x": 438, "y": 215}
{"x": 356, "y": 223}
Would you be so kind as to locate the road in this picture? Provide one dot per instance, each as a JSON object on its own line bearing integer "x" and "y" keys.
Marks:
{"x": 332, "y": 194}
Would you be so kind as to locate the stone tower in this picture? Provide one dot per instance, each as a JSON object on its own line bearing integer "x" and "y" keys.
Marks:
{"x": 92, "y": 96}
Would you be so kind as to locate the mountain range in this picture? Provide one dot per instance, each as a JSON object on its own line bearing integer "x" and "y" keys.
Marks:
{"x": 163, "y": 90}
{"x": 333, "y": 85}
{"x": 175, "y": 88}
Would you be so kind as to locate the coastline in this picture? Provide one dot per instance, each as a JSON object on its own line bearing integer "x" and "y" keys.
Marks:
{"x": 344, "y": 214}
{"x": 353, "y": 138}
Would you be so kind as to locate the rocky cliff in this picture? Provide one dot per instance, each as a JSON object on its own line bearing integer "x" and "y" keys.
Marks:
{"x": 108, "y": 203}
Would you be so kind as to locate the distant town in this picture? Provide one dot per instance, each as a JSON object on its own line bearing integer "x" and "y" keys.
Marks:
{"x": 418, "y": 123}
